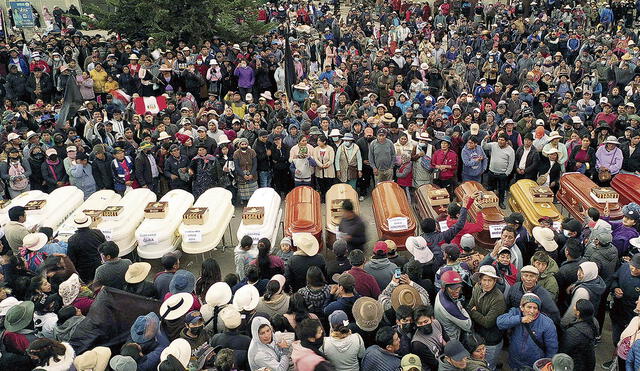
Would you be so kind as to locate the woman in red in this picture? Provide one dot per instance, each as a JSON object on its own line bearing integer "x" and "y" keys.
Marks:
{"x": 445, "y": 161}
{"x": 583, "y": 158}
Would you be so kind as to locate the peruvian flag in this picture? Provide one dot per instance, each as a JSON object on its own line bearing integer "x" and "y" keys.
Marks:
{"x": 120, "y": 95}
{"x": 150, "y": 104}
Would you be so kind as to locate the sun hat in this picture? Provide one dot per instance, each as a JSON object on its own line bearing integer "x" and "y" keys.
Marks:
{"x": 34, "y": 241}
{"x": 182, "y": 281}
{"x": 554, "y": 135}
{"x": 176, "y": 306}
{"x": 123, "y": 363}
{"x": 218, "y": 294}
{"x": 417, "y": 246}
{"x": 69, "y": 289}
{"x": 348, "y": 137}
{"x": 486, "y": 270}
{"x": 335, "y": 133}
{"x": 7, "y": 304}
{"x": 50, "y": 151}
{"x": 96, "y": 359}
{"x": 137, "y": 272}
{"x": 82, "y": 220}
{"x": 179, "y": 348}
{"x": 230, "y": 317}
{"x": 545, "y": 237}
{"x": 405, "y": 294}
{"x": 246, "y": 298}
{"x": 611, "y": 140}
{"x": 163, "y": 135}
{"x": 12, "y": 136}
{"x": 19, "y": 316}
{"x": 424, "y": 136}
{"x": 368, "y": 313}
{"x": 306, "y": 243}
{"x": 145, "y": 328}
{"x": 388, "y": 117}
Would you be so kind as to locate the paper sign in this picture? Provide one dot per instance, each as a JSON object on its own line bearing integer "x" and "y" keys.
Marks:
{"x": 107, "y": 234}
{"x": 194, "y": 235}
{"x": 148, "y": 239}
{"x": 255, "y": 236}
{"x": 443, "y": 225}
{"x": 557, "y": 226}
{"x": 495, "y": 230}
{"x": 398, "y": 223}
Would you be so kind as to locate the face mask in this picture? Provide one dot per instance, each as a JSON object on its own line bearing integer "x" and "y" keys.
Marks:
{"x": 243, "y": 149}
{"x": 37, "y": 156}
{"x": 407, "y": 328}
{"x": 36, "y": 58}
{"x": 198, "y": 62}
{"x": 348, "y": 144}
{"x": 56, "y": 58}
{"x": 469, "y": 100}
{"x": 566, "y": 233}
{"x": 483, "y": 84}
{"x": 426, "y": 329}
{"x": 196, "y": 330}
{"x": 423, "y": 146}
{"x": 53, "y": 158}
{"x": 335, "y": 139}
{"x": 370, "y": 139}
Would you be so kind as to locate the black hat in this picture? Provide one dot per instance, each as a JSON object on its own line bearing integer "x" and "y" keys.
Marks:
{"x": 572, "y": 225}
{"x": 515, "y": 218}
{"x": 262, "y": 133}
{"x": 82, "y": 156}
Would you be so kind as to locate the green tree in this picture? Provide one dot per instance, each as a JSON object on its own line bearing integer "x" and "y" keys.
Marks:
{"x": 190, "y": 20}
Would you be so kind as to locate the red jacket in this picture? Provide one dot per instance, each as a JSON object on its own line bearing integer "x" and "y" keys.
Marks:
{"x": 449, "y": 157}
{"x": 470, "y": 228}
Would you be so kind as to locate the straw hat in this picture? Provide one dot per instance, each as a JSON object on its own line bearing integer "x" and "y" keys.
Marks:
{"x": 95, "y": 359}
{"x": 405, "y": 295}
{"x": 554, "y": 135}
{"x": 163, "y": 135}
{"x": 82, "y": 220}
{"x": 246, "y": 298}
{"x": 34, "y": 241}
{"x": 137, "y": 272}
{"x": 368, "y": 313}
{"x": 388, "y": 117}
{"x": 176, "y": 306}
{"x": 231, "y": 317}
{"x": 218, "y": 294}
{"x": 178, "y": 348}
{"x": 133, "y": 56}
{"x": 306, "y": 243}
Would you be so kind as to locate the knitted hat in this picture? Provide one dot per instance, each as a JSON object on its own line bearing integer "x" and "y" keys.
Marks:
{"x": 530, "y": 298}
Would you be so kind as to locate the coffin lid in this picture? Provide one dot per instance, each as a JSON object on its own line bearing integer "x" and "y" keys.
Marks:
{"x": 390, "y": 201}
{"x": 521, "y": 193}
{"x": 492, "y": 215}
{"x": 303, "y": 210}
{"x": 334, "y": 198}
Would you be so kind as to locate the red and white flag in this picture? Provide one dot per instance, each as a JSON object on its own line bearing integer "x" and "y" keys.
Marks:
{"x": 121, "y": 96}
{"x": 150, "y": 104}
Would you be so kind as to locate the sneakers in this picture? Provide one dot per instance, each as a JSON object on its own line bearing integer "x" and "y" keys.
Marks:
{"x": 607, "y": 365}
{"x": 361, "y": 198}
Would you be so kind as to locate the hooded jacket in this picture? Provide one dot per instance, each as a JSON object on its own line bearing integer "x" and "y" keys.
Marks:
{"x": 548, "y": 280}
{"x": 381, "y": 269}
{"x": 605, "y": 256}
{"x": 279, "y": 304}
{"x": 64, "y": 332}
{"x": 343, "y": 353}
{"x": 489, "y": 305}
{"x": 265, "y": 355}
{"x": 304, "y": 359}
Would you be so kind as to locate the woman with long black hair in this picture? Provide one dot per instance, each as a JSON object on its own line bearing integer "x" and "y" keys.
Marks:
{"x": 298, "y": 310}
{"x": 268, "y": 265}
{"x": 209, "y": 274}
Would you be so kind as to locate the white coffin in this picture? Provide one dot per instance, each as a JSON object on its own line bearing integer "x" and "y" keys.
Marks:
{"x": 121, "y": 229}
{"x": 97, "y": 201}
{"x": 21, "y": 200}
{"x": 157, "y": 237}
{"x": 270, "y": 200}
{"x": 198, "y": 239}
{"x": 60, "y": 204}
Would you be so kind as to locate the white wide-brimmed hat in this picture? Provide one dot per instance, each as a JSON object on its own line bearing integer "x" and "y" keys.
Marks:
{"x": 218, "y": 294}
{"x": 246, "y": 298}
{"x": 176, "y": 306}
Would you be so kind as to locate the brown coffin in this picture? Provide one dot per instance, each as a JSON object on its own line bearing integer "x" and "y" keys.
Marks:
{"x": 492, "y": 215}
{"x": 337, "y": 194}
{"x": 429, "y": 204}
{"x": 628, "y": 187}
{"x": 302, "y": 212}
{"x": 523, "y": 200}
{"x": 390, "y": 202}
{"x": 575, "y": 196}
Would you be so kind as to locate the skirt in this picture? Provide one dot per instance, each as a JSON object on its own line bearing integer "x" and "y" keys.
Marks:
{"x": 245, "y": 190}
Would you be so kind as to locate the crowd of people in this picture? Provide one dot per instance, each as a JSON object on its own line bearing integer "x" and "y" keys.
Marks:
{"x": 418, "y": 93}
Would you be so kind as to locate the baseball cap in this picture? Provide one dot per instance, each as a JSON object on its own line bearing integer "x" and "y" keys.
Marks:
{"x": 356, "y": 257}
{"x": 380, "y": 248}
{"x": 451, "y": 251}
{"x": 455, "y": 350}
{"x": 344, "y": 280}
{"x": 467, "y": 242}
{"x": 410, "y": 362}
{"x": 202, "y": 128}
{"x": 193, "y": 317}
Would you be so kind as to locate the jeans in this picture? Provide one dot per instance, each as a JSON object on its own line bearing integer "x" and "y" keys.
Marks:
{"x": 493, "y": 354}
{"x": 499, "y": 182}
{"x": 264, "y": 178}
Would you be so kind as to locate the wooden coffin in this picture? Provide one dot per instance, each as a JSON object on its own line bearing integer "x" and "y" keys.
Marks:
{"x": 431, "y": 201}
{"x": 628, "y": 187}
{"x": 392, "y": 213}
{"x": 337, "y": 194}
{"x": 487, "y": 203}
{"x": 302, "y": 212}
{"x": 578, "y": 193}
{"x": 533, "y": 202}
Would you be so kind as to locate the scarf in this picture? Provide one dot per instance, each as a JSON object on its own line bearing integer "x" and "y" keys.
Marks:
{"x": 51, "y": 164}
{"x": 206, "y": 158}
{"x": 314, "y": 346}
{"x": 451, "y": 306}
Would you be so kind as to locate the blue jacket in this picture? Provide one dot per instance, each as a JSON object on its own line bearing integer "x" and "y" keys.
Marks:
{"x": 633, "y": 360}
{"x": 522, "y": 350}
{"x": 376, "y": 358}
